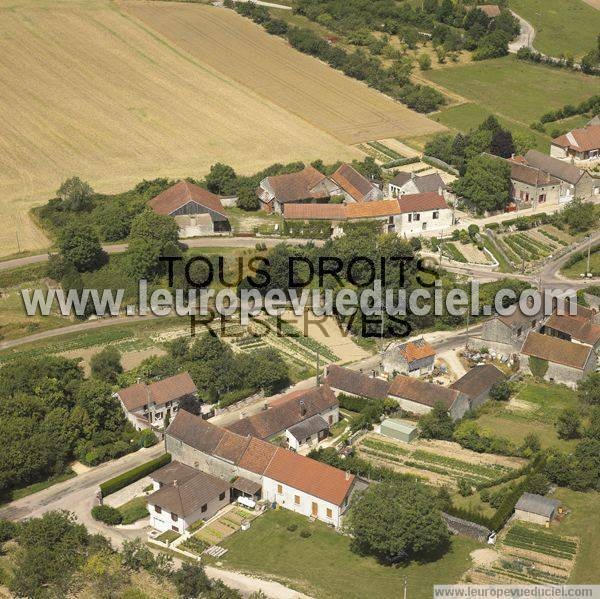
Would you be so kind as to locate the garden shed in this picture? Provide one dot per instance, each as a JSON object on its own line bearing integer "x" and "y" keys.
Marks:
{"x": 536, "y": 508}
{"x": 402, "y": 430}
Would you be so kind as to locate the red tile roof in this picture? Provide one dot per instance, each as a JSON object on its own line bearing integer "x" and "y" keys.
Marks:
{"x": 170, "y": 389}
{"x": 260, "y": 457}
{"x": 314, "y": 212}
{"x": 310, "y": 476}
{"x": 416, "y": 350}
{"x": 421, "y": 202}
{"x": 352, "y": 182}
{"x": 294, "y": 187}
{"x": 285, "y": 412}
{"x": 180, "y": 194}
{"x": 378, "y": 209}
{"x": 577, "y": 327}
{"x": 421, "y": 392}
{"x": 581, "y": 140}
{"x": 556, "y": 350}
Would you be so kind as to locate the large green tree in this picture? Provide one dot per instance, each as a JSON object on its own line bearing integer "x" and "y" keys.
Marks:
{"x": 75, "y": 194}
{"x": 485, "y": 184}
{"x": 80, "y": 246}
{"x": 397, "y": 522}
{"x": 588, "y": 389}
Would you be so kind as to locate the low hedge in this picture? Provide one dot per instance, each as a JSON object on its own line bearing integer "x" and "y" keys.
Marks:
{"x": 119, "y": 482}
{"x": 107, "y": 514}
{"x": 401, "y": 162}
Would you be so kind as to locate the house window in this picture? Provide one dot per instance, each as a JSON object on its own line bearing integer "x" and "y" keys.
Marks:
{"x": 204, "y": 508}
{"x": 157, "y": 509}
{"x": 410, "y": 218}
{"x": 222, "y": 496}
{"x": 416, "y": 216}
{"x": 329, "y": 513}
{"x": 175, "y": 528}
{"x": 330, "y": 419}
{"x": 542, "y": 197}
{"x": 315, "y": 509}
{"x": 436, "y": 214}
{"x": 297, "y": 499}
{"x": 279, "y": 489}
{"x": 174, "y": 517}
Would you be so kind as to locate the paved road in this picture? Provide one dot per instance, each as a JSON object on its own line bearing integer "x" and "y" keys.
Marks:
{"x": 200, "y": 242}
{"x": 78, "y": 496}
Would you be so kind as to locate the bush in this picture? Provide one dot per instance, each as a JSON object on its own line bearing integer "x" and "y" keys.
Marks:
{"x": 107, "y": 514}
{"x": 464, "y": 487}
{"x": 8, "y": 530}
{"x": 292, "y": 527}
{"x": 305, "y": 534}
{"x": 485, "y": 495}
{"x": 147, "y": 438}
{"x": 119, "y": 482}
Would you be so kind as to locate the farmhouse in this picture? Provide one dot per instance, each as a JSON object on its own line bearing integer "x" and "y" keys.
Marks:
{"x": 147, "y": 406}
{"x": 505, "y": 334}
{"x": 183, "y": 495}
{"x": 477, "y": 382}
{"x": 305, "y": 186}
{"x": 304, "y": 417}
{"x": 351, "y": 382}
{"x": 531, "y": 186}
{"x": 579, "y": 328}
{"x": 411, "y": 183}
{"x": 354, "y": 186}
{"x": 296, "y": 482}
{"x": 578, "y": 144}
{"x": 536, "y": 508}
{"x": 419, "y": 397}
{"x": 422, "y": 212}
{"x": 414, "y": 358}
{"x": 563, "y": 361}
{"x": 196, "y": 210}
{"x": 574, "y": 182}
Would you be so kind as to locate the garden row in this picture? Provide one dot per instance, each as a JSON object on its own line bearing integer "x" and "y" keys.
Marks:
{"x": 539, "y": 541}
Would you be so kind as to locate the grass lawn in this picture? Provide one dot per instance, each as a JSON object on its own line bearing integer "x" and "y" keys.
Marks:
{"x": 465, "y": 117}
{"x": 562, "y": 26}
{"x": 490, "y": 246}
{"x": 323, "y": 565}
{"x": 133, "y": 510}
{"x": 580, "y": 266}
{"x": 514, "y": 88}
{"x": 585, "y": 524}
{"x": 548, "y": 399}
{"x": 168, "y": 536}
{"x": 36, "y": 487}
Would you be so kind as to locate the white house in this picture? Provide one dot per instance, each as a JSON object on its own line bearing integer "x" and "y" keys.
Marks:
{"x": 581, "y": 144}
{"x": 148, "y": 406}
{"x": 303, "y": 417}
{"x": 184, "y": 495}
{"x": 422, "y": 212}
{"x": 411, "y": 183}
{"x": 294, "y": 481}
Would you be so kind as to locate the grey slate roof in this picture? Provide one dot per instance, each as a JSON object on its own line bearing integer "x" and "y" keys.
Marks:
{"x": 424, "y": 183}
{"x": 175, "y": 471}
{"x": 537, "y": 504}
{"x": 356, "y": 383}
{"x": 310, "y": 426}
{"x": 478, "y": 380}
{"x": 557, "y": 168}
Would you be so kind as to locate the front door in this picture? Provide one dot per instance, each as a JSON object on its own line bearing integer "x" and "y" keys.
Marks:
{"x": 315, "y": 509}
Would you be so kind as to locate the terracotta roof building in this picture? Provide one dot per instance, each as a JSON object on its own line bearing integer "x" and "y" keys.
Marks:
{"x": 582, "y": 143}
{"x": 356, "y": 383}
{"x": 149, "y": 405}
{"x": 419, "y": 397}
{"x": 329, "y": 212}
{"x": 196, "y": 210}
{"x": 578, "y": 328}
{"x": 288, "y": 411}
{"x": 567, "y": 362}
{"x": 294, "y": 481}
{"x": 414, "y": 358}
{"x": 354, "y": 186}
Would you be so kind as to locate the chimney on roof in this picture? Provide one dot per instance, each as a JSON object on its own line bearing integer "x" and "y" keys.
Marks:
{"x": 302, "y": 408}
{"x": 347, "y": 475}
{"x": 175, "y": 483}
{"x": 373, "y": 373}
{"x": 242, "y": 415}
{"x": 440, "y": 190}
{"x": 412, "y": 175}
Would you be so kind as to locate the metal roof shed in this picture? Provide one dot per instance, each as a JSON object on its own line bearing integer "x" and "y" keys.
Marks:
{"x": 402, "y": 430}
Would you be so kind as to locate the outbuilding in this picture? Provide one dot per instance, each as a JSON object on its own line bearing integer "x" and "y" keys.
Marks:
{"x": 536, "y": 508}
{"x": 401, "y": 430}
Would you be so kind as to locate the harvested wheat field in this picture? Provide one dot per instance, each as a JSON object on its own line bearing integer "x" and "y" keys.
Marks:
{"x": 303, "y": 85}
{"x": 88, "y": 89}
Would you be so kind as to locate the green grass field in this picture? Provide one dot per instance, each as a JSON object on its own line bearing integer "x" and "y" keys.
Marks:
{"x": 323, "y": 565}
{"x": 581, "y": 265}
{"x": 584, "y": 523}
{"x": 562, "y": 26}
{"x": 516, "y": 89}
{"x": 465, "y": 117}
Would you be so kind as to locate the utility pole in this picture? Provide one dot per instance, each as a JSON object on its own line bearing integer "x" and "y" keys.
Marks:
{"x": 405, "y": 585}
{"x": 467, "y": 338}
{"x": 318, "y": 366}
{"x": 587, "y": 270}
{"x": 18, "y": 221}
